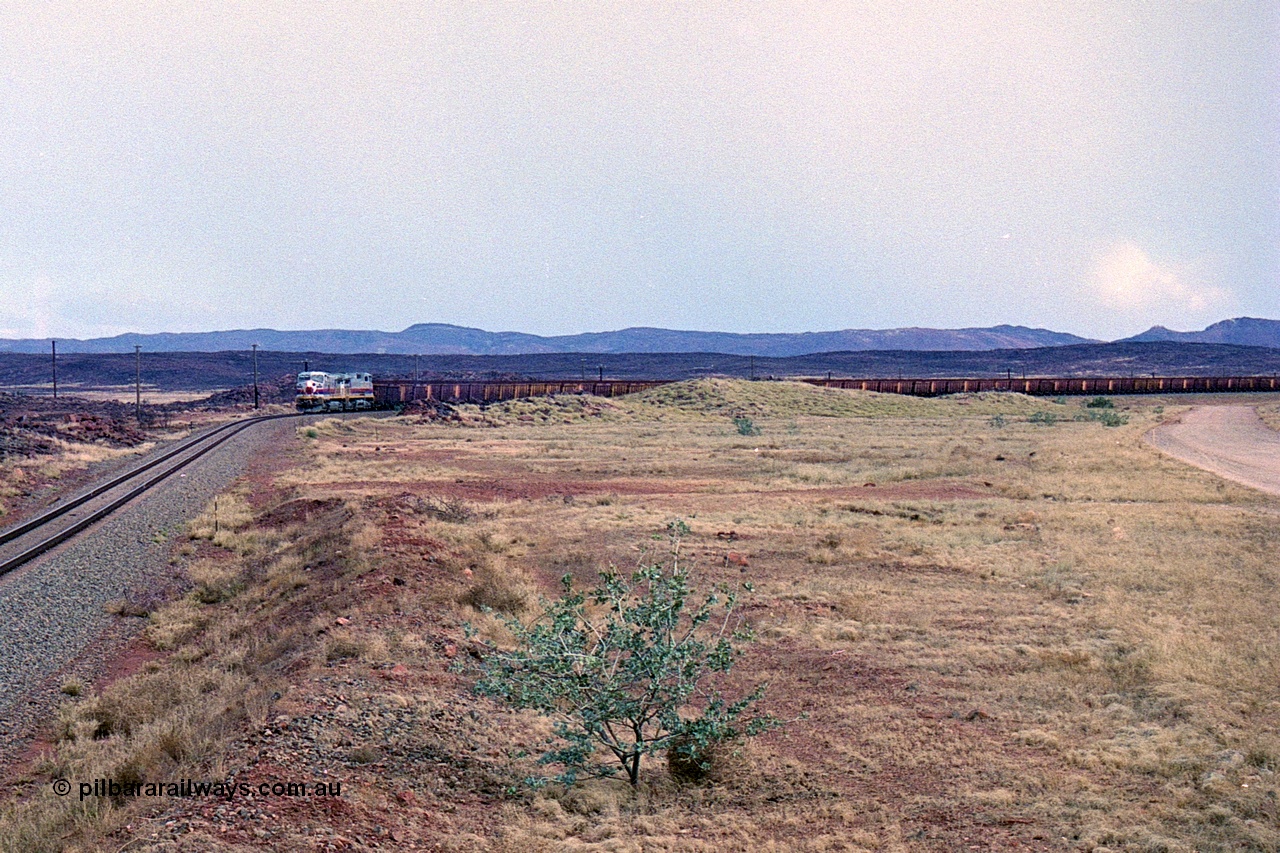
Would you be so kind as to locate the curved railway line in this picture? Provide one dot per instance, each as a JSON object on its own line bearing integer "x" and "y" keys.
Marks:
{"x": 32, "y": 538}
{"x": 26, "y": 541}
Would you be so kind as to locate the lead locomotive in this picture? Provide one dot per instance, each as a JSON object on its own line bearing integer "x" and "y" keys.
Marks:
{"x": 318, "y": 391}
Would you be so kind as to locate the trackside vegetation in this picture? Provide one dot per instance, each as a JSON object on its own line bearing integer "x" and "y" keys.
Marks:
{"x": 623, "y": 671}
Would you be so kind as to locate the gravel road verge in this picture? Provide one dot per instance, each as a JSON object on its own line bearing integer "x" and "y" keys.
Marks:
{"x": 1230, "y": 441}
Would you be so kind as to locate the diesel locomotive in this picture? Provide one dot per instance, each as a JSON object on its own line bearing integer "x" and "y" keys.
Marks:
{"x": 318, "y": 391}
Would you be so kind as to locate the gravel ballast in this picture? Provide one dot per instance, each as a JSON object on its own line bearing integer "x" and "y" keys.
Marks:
{"x": 53, "y": 610}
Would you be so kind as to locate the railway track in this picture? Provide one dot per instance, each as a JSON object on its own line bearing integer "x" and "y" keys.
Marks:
{"x": 26, "y": 541}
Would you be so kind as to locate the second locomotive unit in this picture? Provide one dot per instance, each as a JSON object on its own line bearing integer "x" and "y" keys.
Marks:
{"x": 318, "y": 391}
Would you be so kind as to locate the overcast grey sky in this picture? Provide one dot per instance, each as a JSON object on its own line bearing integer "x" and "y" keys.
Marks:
{"x": 1092, "y": 167}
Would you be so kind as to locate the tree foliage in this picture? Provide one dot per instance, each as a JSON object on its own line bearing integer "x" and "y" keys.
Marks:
{"x": 623, "y": 670}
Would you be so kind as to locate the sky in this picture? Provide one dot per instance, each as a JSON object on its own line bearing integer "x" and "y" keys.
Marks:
{"x": 561, "y": 167}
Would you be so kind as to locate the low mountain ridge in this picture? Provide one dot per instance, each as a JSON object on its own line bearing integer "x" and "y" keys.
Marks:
{"x": 445, "y": 339}
{"x": 1242, "y": 331}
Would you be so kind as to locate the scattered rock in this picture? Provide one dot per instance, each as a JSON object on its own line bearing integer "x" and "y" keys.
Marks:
{"x": 432, "y": 410}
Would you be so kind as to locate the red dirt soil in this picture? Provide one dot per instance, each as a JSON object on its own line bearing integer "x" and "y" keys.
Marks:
{"x": 539, "y": 487}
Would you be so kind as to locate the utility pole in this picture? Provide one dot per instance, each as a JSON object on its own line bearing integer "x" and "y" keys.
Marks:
{"x": 602, "y": 373}
{"x": 137, "y": 382}
{"x": 54, "y": 344}
{"x": 414, "y": 395}
{"x": 753, "y": 368}
{"x": 255, "y": 375}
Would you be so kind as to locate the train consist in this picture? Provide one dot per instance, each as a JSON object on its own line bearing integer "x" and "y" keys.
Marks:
{"x": 393, "y": 393}
{"x": 1060, "y": 386}
{"x": 318, "y": 391}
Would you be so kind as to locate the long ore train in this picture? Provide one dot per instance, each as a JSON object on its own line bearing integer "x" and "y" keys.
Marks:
{"x": 320, "y": 392}
{"x": 391, "y": 393}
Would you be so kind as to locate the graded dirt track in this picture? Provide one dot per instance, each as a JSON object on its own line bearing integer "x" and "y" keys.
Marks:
{"x": 1230, "y": 441}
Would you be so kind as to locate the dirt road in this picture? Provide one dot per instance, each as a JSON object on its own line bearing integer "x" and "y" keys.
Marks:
{"x": 1230, "y": 441}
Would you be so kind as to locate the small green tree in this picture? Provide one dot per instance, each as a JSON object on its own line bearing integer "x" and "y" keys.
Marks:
{"x": 624, "y": 668}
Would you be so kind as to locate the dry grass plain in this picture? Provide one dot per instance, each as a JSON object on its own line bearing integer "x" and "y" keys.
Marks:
{"x": 993, "y": 626}
{"x": 23, "y": 479}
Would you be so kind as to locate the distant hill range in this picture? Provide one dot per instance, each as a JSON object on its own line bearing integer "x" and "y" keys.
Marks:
{"x": 443, "y": 339}
{"x": 1242, "y": 331}
{"x": 235, "y": 369}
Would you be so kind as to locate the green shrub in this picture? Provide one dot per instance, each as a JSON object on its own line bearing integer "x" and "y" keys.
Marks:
{"x": 623, "y": 668}
{"x": 745, "y": 425}
{"x": 1106, "y": 417}
{"x": 1100, "y": 403}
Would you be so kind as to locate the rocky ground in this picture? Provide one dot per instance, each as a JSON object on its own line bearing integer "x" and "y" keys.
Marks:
{"x": 37, "y": 424}
{"x": 33, "y": 426}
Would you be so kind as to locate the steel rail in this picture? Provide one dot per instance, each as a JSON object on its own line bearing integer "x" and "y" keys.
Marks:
{"x": 219, "y": 435}
{"x": 63, "y": 509}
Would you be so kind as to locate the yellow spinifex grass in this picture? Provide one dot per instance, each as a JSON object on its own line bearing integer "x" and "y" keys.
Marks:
{"x": 1000, "y": 630}
{"x": 1113, "y": 610}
